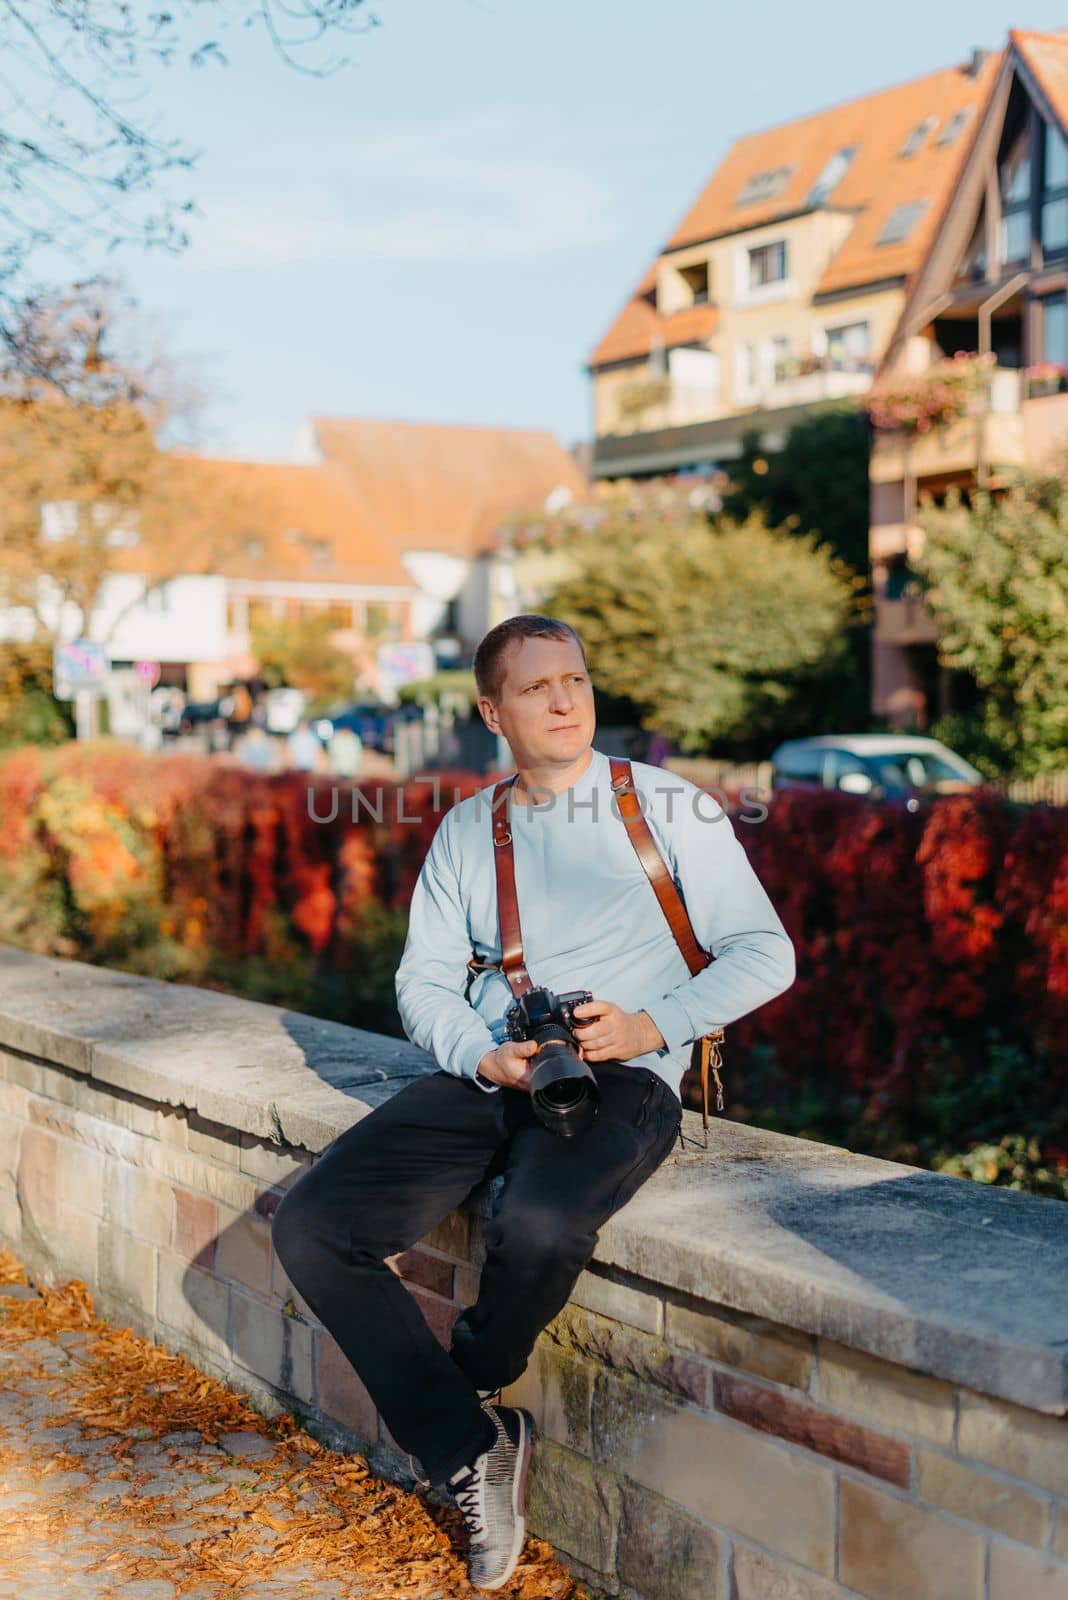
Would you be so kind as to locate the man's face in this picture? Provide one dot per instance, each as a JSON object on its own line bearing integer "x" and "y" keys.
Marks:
{"x": 545, "y": 705}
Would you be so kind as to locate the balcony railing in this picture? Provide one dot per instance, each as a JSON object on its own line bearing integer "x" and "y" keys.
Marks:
{"x": 651, "y": 403}
{"x": 992, "y": 430}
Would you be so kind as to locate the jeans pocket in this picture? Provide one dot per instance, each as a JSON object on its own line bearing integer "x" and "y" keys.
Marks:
{"x": 647, "y": 1098}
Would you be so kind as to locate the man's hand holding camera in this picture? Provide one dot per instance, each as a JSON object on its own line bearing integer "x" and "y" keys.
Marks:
{"x": 612, "y": 1034}
{"x": 608, "y": 1034}
{"x": 509, "y": 1065}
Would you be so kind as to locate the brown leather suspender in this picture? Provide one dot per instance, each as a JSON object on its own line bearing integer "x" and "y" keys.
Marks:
{"x": 706, "y": 1050}
{"x": 512, "y": 960}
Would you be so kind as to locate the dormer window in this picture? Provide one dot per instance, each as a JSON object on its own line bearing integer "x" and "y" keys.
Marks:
{"x": 831, "y": 176}
{"x": 901, "y": 222}
{"x": 696, "y": 279}
{"x": 764, "y": 186}
{"x": 917, "y": 136}
{"x": 954, "y": 127}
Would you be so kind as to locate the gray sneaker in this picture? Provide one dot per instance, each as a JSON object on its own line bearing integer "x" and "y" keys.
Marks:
{"x": 490, "y": 1495}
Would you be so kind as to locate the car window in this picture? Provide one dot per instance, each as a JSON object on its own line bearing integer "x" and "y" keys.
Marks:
{"x": 839, "y": 762}
{"x": 915, "y": 769}
{"x": 801, "y": 761}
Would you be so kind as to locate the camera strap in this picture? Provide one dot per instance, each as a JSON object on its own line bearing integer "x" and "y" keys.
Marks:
{"x": 706, "y": 1051}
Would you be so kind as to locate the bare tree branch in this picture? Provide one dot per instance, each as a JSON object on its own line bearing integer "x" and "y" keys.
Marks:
{"x": 81, "y": 159}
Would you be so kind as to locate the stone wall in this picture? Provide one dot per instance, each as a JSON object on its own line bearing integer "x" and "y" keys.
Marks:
{"x": 790, "y": 1373}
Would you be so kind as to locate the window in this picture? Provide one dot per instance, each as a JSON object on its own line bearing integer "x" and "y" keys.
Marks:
{"x": 849, "y": 347}
{"x": 767, "y": 264}
{"x": 917, "y": 136}
{"x": 954, "y": 127}
{"x": 696, "y": 280}
{"x": 254, "y": 548}
{"x": 764, "y": 186}
{"x": 1055, "y": 328}
{"x": 972, "y": 268}
{"x": 901, "y": 221}
{"x": 803, "y": 763}
{"x": 780, "y": 354}
{"x": 833, "y": 172}
{"x": 1054, "y": 192}
{"x": 1015, "y": 179}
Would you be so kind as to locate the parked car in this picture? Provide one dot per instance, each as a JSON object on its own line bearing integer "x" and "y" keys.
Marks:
{"x": 373, "y": 723}
{"x": 886, "y": 766}
{"x": 199, "y": 713}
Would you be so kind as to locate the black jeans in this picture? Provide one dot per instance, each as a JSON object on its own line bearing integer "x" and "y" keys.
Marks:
{"x": 383, "y": 1185}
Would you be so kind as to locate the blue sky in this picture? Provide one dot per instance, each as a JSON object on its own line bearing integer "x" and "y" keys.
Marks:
{"x": 441, "y": 231}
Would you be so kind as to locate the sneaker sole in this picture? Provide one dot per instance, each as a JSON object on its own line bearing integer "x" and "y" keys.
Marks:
{"x": 519, "y": 1484}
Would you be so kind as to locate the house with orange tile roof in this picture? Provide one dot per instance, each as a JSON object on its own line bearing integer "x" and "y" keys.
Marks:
{"x": 993, "y": 280}
{"x": 388, "y": 527}
{"x": 437, "y": 495}
{"x": 228, "y": 542}
{"x": 784, "y": 283}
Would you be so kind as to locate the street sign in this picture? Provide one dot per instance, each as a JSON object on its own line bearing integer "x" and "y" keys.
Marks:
{"x": 148, "y": 672}
{"x": 79, "y": 667}
{"x": 404, "y": 661}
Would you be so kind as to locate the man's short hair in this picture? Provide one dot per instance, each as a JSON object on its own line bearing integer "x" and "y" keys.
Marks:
{"x": 489, "y": 663}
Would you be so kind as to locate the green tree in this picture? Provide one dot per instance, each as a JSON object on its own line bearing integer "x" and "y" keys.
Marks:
{"x": 300, "y": 652}
{"x": 724, "y": 632}
{"x": 817, "y": 483}
{"x": 994, "y": 576}
{"x": 29, "y": 713}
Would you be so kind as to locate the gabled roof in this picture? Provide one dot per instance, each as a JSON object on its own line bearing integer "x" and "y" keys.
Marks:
{"x": 1041, "y": 61}
{"x": 1046, "y": 54}
{"x": 877, "y": 181}
{"x": 438, "y": 487}
{"x": 639, "y": 326}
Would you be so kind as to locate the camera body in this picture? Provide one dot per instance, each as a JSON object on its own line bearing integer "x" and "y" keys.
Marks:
{"x": 564, "y": 1091}
{"x": 539, "y": 1008}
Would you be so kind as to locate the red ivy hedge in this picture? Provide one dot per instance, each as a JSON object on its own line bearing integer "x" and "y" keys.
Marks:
{"x": 916, "y": 933}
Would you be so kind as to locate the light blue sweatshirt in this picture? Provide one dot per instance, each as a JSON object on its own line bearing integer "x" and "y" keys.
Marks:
{"x": 590, "y": 919}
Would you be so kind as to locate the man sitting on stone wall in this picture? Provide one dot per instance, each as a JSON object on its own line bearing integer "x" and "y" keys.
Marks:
{"x": 589, "y": 921}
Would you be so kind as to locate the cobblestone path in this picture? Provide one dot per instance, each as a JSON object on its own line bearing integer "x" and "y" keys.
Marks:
{"x": 126, "y": 1474}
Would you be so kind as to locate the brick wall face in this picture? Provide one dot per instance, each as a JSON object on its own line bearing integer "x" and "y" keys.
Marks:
{"x": 686, "y": 1451}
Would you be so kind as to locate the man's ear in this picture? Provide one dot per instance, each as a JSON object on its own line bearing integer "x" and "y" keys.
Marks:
{"x": 488, "y": 714}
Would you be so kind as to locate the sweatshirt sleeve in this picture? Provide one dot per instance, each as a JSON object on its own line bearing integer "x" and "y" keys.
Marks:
{"x": 732, "y": 917}
{"x": 433, "y": 969}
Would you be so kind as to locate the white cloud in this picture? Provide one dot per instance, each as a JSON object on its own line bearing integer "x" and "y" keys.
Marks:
{"x": 437, "y": 194}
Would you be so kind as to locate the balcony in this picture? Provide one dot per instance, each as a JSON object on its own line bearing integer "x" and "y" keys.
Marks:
{"x": 649, "y": 404}
{"x": 807, "y": 382}
{"x": 994, "y": 429}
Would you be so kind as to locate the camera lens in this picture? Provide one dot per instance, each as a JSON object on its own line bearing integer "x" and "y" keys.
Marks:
{"x": 565, "y": 1093}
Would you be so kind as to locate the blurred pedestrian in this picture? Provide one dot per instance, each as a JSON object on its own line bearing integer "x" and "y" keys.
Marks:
{"x": 256, "y": 750}
{"x": 346, "y": 752}
{"x": 303, "y": 745}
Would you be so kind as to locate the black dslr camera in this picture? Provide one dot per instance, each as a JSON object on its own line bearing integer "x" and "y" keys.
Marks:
{"x": 563, "y": 1089}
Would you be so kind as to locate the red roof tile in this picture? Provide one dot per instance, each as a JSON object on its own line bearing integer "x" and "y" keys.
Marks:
{"x": 878, "y": 180}
{"x": 441, "y": 487}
